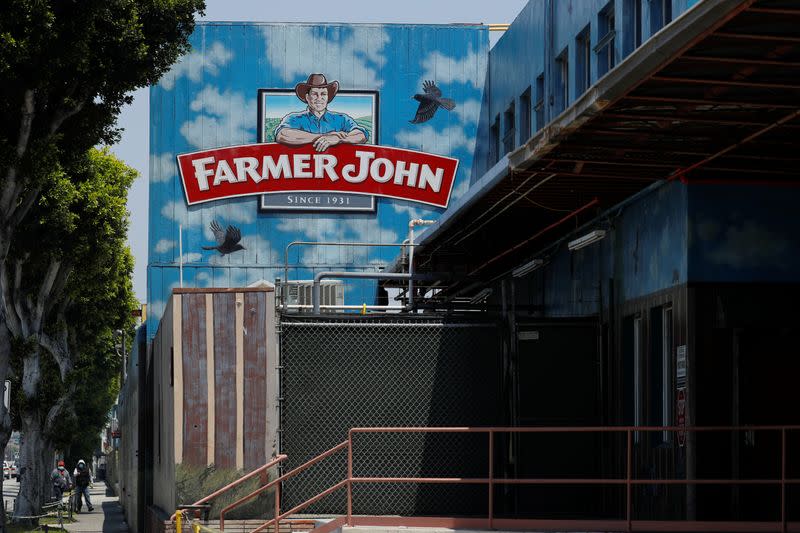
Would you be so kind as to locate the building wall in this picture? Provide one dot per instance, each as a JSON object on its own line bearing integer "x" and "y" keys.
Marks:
{"x": 210, "y": 100}
{"x": 542, "y": 31}
{"x": 129, "y": 453}
{"x": 161, "y": 358}
{"x": 743, "y": 233}
{"x": 216, "y": 388}
{"x": 643, "y": 252}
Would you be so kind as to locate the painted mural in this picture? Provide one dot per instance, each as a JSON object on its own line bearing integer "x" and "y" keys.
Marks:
{"x": 250, "y": 83}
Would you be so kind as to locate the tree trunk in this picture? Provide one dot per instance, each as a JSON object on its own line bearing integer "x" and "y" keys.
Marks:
{"x": 35, "y": 487}
{"x": 5, "y": 419}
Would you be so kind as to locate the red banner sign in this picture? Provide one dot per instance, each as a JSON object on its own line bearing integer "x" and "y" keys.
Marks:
{"x": 253, "y": 169}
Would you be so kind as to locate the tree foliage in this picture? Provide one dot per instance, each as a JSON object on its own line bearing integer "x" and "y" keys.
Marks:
{"x": 66, "y": 69}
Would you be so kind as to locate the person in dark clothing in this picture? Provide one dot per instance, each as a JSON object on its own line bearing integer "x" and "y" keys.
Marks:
{"x": 83, "y": 480}
{"x": 61, "y": 481}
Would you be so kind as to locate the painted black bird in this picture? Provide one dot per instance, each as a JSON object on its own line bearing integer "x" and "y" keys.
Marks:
{"x": 430, "y": 102}
{"x": 227, "y": 240}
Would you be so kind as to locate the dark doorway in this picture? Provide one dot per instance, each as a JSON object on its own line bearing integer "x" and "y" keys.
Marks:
{"x": 559, "y": 376}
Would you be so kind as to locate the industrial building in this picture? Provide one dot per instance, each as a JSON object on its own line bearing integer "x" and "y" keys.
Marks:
{"x": 597, "y": 332}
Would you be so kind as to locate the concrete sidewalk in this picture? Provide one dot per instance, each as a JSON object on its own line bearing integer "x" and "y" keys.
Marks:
{"x": 107, "y": 516}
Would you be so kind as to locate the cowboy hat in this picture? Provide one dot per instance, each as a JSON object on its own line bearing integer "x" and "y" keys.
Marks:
{"x": 316, "y": 81}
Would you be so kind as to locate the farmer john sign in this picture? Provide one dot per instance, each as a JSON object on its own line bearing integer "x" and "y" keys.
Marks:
{"x": 300, "y": 171}
{"x": 314, "y": 154}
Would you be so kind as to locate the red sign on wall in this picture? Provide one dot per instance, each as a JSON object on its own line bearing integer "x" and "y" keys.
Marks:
{"x": 255, "y": 169}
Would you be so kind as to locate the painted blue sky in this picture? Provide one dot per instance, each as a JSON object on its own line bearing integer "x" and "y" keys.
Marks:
{"x": 210, "y": 99}
{"x": 134, "y": 147}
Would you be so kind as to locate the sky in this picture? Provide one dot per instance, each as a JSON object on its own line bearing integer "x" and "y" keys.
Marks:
{"x": 134, "y": 147}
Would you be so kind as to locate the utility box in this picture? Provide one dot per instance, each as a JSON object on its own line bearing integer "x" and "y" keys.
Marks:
{"x": 300, "y": 293}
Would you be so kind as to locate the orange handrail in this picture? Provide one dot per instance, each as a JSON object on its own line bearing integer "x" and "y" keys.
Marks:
{"x": 278, "y": 459}
{"x": 278, "y": 517}
{"x": 628, "y": 480}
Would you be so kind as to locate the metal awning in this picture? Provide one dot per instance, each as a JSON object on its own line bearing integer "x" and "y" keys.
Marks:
{"x": 714, "y": 97}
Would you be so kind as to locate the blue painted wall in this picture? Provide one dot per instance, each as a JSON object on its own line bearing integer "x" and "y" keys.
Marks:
{"x": 644, "y": 251}
{"x": 539, "y": 34}
{"x": 744, "y": 234}
{"x": 209, "y": 99}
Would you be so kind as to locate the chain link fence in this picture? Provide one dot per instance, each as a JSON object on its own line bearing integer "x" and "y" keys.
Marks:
{"x": 344, "y": 372}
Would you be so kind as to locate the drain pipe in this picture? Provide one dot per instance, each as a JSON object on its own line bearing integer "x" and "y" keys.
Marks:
{"x": 357, "y": 275}
{"x": 411, "y": 225}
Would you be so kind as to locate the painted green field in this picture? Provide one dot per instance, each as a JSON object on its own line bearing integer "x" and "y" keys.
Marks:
{"x": 270, "y": 123}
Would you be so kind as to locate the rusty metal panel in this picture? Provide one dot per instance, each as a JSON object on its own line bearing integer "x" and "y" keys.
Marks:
{"x": 255, "y": 379}
{"x": 225, "y": 380}
{"x": 195, "y": 395}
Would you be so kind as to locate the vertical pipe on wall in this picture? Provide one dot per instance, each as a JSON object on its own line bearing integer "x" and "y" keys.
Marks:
{"x": 180, "y": 254}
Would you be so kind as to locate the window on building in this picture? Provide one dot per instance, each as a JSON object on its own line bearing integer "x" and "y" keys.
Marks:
{"x": 538, "y": 106}
{"x": 605, "y": 43}
{"x": 494, "y": 155}
{"x": 561, "y": 82}
{"x": 660, "y": 367}
{"x": 632, "y": 24}
{"x": 583, "y": 54}
{"x": 632, "y": 374}
{"x": 525, "y": 115}
{"x": 509, "y": 129}
{"x": 666, "y": 370}
{"x": 660, "y": 14}
{"x": 637, "y": 373}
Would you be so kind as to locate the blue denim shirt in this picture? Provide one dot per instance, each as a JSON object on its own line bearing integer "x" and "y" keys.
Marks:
{"x": 330, "y": 121}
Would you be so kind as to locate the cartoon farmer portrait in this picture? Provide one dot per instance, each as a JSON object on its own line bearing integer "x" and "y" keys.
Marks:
{"x": 317, "y": 125}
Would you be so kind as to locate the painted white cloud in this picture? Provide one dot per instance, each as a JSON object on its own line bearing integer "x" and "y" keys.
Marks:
{"x": 429, "y": 139}
{"x": 459, "y": 190}
{"x": 223, "y": 119}
{"x": 164, "y": 245}
{"x": 192, "y": 257}
{"x": 444, "y": 69}
{"x": 203, "y": 279}
{"x": 468, "y": 111}
{"x": 359, "y": 55}
{"x": 155, "y": 310}
{"x": 749, "y": 245}
{"x": 177, "y": 211}
{"x": 163, "y": 167}
{"x": 195, "y": 63}
{"x": 326, "y": 229}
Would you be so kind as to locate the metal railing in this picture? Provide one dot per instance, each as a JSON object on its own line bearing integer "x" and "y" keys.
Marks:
{"x": 274, "y": 462}
{"x": 628, "y": 481}
{"x": 276, "y": 483}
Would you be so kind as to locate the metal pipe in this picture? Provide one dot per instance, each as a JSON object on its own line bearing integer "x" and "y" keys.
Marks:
{"x": 325, "y": 243}
{"x": 575, "y": 213}
{"x": 411, "y": 225}
{"x": 374, "y": 307}
{"x": 353, "y": 275}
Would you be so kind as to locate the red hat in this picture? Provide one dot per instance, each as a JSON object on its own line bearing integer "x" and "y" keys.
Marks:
{"x": 61, "y": 463}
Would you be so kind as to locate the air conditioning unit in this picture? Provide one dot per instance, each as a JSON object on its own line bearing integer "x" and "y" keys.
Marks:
{"x": 300, "y": 292}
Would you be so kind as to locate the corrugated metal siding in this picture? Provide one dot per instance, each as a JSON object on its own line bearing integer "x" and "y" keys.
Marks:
{"x": 641, "y": 258}
{"x": 541, "y": 31}
{"x": 255, "y": 379}
{"x": 209, "y": 100}
{"x": 195, "y": 397}
{"x": 225, "y": 381}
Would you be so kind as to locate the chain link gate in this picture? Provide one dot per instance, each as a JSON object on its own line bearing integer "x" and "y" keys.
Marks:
{"x": 343, "y": 372}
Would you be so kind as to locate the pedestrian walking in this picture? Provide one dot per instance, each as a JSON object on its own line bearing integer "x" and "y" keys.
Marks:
{"x": 83, "y": 480}
{"x": 60, "y": 480}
